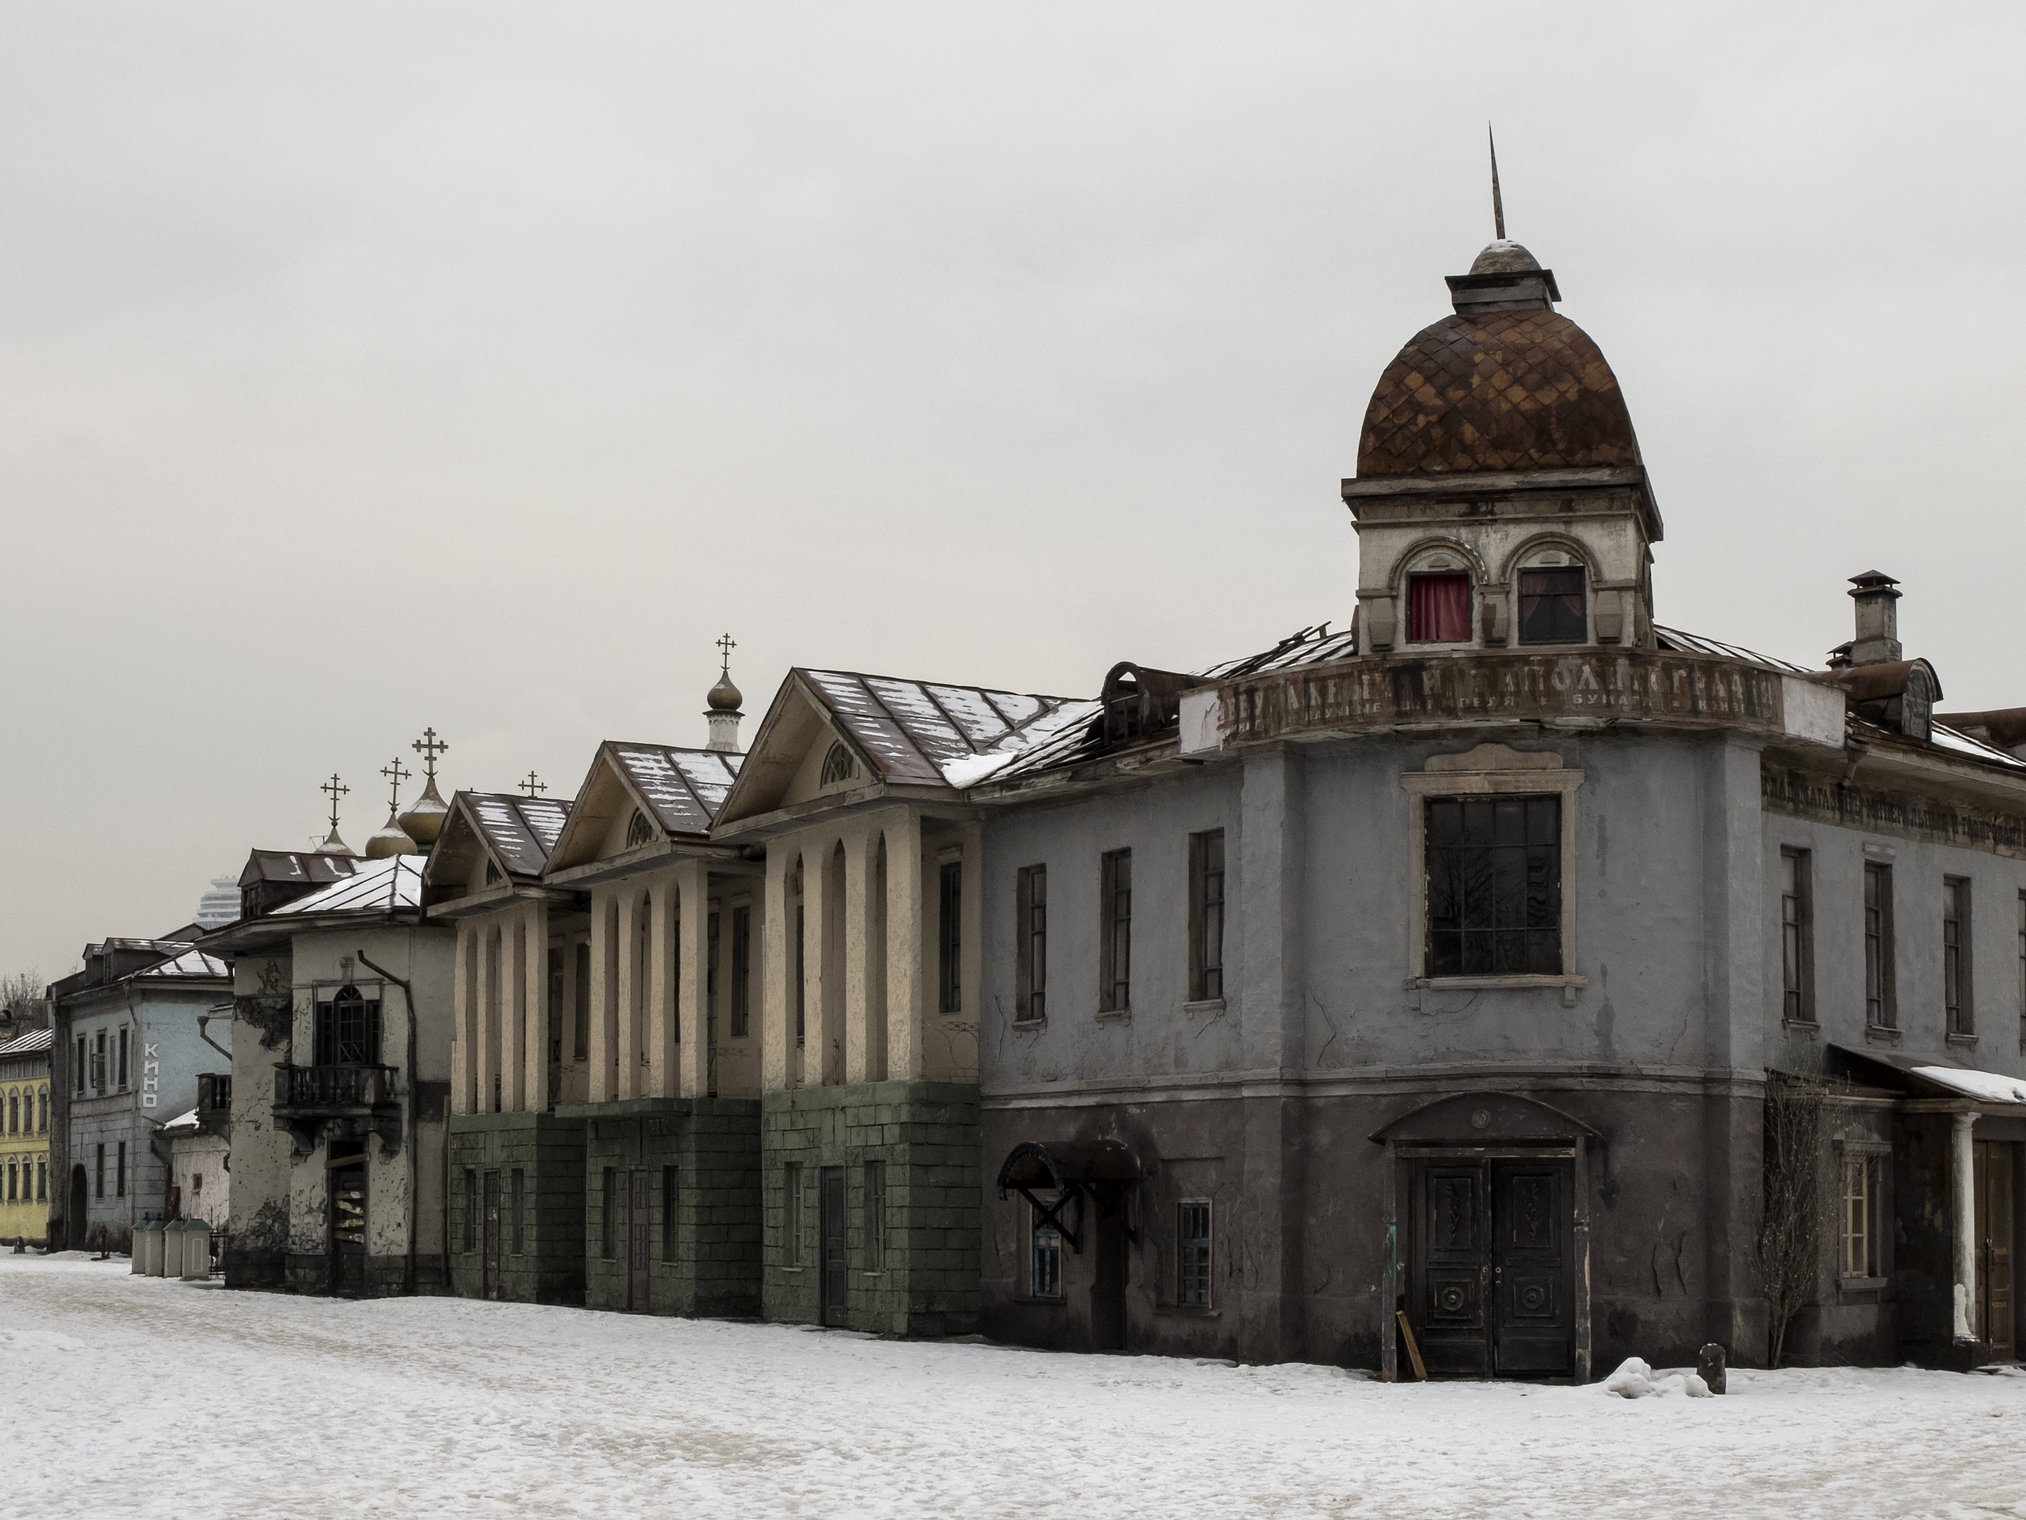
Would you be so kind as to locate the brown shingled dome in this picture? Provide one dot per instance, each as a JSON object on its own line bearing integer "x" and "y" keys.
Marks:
{"x": 1500, "y": 390}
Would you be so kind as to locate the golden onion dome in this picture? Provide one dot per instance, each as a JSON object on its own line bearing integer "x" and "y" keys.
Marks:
{"x": 424, "y": 818}
{"x": 725, "y": 697}
{"x": 391, "y": 840}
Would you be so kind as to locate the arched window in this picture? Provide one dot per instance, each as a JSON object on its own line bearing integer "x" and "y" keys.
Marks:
{"x": 638, "y": 830}
{"x": 1553, "y": 601}
{"x": 42, "y": 1111}
{"x": 1438, "y": 601}
{"x": 14, "y": 1113}
{"x": 348, "y": 1030}
{"x": 838, "y": 766}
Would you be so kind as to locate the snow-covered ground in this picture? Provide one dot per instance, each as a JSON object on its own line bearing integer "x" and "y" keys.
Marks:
{"x": 134, "y": 1396}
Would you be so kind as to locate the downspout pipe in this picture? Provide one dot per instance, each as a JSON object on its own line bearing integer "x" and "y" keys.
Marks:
{"x": 408, "y": 1100}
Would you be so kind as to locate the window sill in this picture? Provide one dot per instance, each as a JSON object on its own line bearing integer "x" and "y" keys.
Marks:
{"x": 1120, "y": 1015}
{"x": 1861, "y": 1284}
{"x": 1881, "y": 1034}
{"x": 1204, "y": 1005}
{"x": 1470, "y": 983}
{"x": 1963, "y": 1039}
{"x": 1043, "y": 1303}
{"x": 1186, "y": 1311}
{"x": 1029, "y": 1025}
{"x": 1801, "y": 1026}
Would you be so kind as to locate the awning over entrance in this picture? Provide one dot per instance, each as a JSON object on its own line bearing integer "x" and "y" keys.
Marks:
{"x": 1924, "y": 1077}
{"x": 1105, "y": 1169}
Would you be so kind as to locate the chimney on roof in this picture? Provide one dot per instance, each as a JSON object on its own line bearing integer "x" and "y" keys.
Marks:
{"x": 1877, "y": 641}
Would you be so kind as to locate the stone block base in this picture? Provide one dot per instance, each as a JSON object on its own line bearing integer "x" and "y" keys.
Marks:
{"x": 537, "y": 1162}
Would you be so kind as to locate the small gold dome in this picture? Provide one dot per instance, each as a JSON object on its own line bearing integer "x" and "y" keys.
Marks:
{"x": 391, "y": 840}
{"x": 424, "y": 819}
{"x": 336, "y": 846}
{"x": 725, "y": 697}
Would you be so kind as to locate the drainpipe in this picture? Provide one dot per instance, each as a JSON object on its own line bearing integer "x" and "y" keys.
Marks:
{"x": 202, "y": 1020}
{"x": 414, "y": 1139}
{"x": 1962, "y": 1177}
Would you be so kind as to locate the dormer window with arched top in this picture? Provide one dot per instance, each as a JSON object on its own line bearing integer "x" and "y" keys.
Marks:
{"x": 838, "y": 766}
{"x": 1554, "y": 602}
{"x": 1438, "y": 607}
{"x": 638, "y": 830}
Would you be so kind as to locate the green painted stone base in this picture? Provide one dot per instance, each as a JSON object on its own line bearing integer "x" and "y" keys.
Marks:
{"x": 541, "y": 1255}
{"x": 705, "y": 1154}
{"x": 922, "y": 1277}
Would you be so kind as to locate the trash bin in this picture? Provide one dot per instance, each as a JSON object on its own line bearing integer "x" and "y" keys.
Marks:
{"x": 172, "y": 1248}
{"x": 142, "y": 1233}
{"x": 196, "y": 1250}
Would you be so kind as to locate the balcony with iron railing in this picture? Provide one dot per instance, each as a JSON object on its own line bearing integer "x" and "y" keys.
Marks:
{"x": 309, "y": 1092}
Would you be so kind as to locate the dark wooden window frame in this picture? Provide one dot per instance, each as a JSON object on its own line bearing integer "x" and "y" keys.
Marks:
{"x": 1030, "y": 956}
{"x": 1206, "y": 916}
{"x": 1797, "y": 936}
{"x": 950, "y": 936}
{"x": 1881, "y": 1006}
{"x": 1115, "y": 932}
{"x": 742, "y": 971}
{"x": 1959, "y": 1004}
{"x": 1193, "y": 1253}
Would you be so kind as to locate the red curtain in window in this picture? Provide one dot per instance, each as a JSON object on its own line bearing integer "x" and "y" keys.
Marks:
{"x": 1438, "y": 609}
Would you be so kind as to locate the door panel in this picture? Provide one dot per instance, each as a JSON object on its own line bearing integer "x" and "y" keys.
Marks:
{"x": 348, "y": 1227}
{"x": 1994, "y": 1303}
{"x": 489, "y": 1219}
{"x": 1533, "y": 1230}
{"x": 637, "y": 1221}
{"x": 835, "y": 1280}
{"x": 1449, "y": 1306}
{"x": 1491, "y": 1259}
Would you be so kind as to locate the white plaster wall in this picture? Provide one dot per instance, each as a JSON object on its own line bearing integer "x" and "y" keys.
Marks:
{"x": 195, "y": 1157}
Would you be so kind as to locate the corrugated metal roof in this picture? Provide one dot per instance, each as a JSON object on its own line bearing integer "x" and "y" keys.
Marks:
{"x": 1690, "y": 643}
{"x": 378, "y": 886}
{"x": 32, "y": 1043}
{"x": 295, "y": 866}
{"x": 931, "y": 733}
{"x": 190, "y": 963}
{"x": 685, "y": 787}
{"x": 521, "y": 830}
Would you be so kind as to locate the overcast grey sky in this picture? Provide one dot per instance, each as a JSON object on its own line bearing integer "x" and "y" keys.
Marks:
{"x": 371, "y": 366}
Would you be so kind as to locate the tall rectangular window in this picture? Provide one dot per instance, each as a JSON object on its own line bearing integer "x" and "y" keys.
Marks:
{"x": 98, "y": 1062}
{"x": 517, "y": 1202}
{"x": 713, "y": 952}
{"x": 1494, "y": 869}
{"x": 608, "y": 1213}
{"x": 580, "y": 1012}
{"x": 742, "y": 971}
{"x": 791, "y": 1213}
{"x": 77, "y": 1078}
{"x": 1115, "y": 939}
{"x": 875, "y": 1216}
{"x": 1044, "y": 1256}
{"x": 671, "y": 1209}
{"x": 1957, "y": 1001}
{"x": 1551, "y": 607}
{"x": 348, "y": 1030}
{"x": 1438, "y": 609}
{"x": 1859, "y": 1221}
{"x": 120, "y": 1171}
{"x": 123, "y": 1057}
{"x": 1880, "y": 1009}
{"x": 98, "y": 1187}
{"x": 801, "y": 974}
{"x": 1192, "y": 1254}
{"x": 42, "y": 1179}
{"x": 1206, "y": 916}
{"x": 470, "y": 1232}
{"x": 1797, "y": 936}
{"x": 1030, "y": 944}
{"x": 950, "y": 937}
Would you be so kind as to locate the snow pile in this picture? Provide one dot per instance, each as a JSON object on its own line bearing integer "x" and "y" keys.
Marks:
{"x": 1635, "y": 1380}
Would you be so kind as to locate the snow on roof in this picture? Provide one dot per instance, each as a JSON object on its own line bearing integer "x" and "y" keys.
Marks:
{"x": 1962, "y": 743}
{"x": 927, "y": 732}
{"x": 377, "y": 886}
{"x": 182, "y": 1121}
{"x": 1984, "y": 1086}
{"x": 31, "y": 1043}
{"x": 684, "y": 786}
{"x": 295, "y": 866}
{"x": 521, "y": 830}
{"x": 189, "y": 963}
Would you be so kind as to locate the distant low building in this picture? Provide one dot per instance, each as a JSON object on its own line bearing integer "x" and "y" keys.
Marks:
{"x": 24, "y": 1139}
{"x": 200, "y": 1156}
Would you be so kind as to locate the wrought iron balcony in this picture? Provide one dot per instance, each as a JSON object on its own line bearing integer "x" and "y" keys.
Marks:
{"x": 308, "y": 1092}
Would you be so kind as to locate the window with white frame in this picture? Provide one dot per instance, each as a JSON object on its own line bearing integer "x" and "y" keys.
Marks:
{"x": 1859, "y": 1215}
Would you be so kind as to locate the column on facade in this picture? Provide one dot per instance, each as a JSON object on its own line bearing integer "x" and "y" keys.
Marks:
{"x": 513, "y": 1059}
{"x": 665, "y": 1018}
{"x": 535, "y": 977}
{"x": 1963, "y": 1198}
{"x": 776, "y": 1012}
{"x": 906, "y": 1007}
{"x": 859, "y": 1042}
{"x": 631, "y": 994}
{"x": 604, "y": 1007}
{"x": 692, "y": 978}
{"x": 462, "y": 1036}
{"x": 487, "y": 1064}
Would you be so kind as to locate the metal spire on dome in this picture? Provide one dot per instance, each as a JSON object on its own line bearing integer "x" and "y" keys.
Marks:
{"x": 333, "y": 845}
{"x": 724, "y": 700}
{"x": 392, "y": 838}
{"x": 425, "y": 818}
{"x": 1497, "y": 203}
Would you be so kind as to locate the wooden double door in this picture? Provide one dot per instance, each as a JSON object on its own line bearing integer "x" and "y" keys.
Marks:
{"x": 1995, "y": 1222}
{"x": 1491, "y": 1265}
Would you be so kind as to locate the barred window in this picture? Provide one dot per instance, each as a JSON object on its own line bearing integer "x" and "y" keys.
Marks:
{"x": 1494, "y": 868}
{"x": 1192, "y": 1254}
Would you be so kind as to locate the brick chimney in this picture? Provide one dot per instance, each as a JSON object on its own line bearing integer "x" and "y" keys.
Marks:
{"x": 1877, "y": 641}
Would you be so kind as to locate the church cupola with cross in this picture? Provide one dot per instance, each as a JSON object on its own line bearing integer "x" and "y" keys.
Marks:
{"x": 1501, "y": 500}
{"x": 423, "y": 819}
{"x": 723, "y": 702}
{"x": 392, "y": 839}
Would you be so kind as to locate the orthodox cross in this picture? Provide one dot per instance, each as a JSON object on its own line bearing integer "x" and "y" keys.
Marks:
{"x": 395, "y": 773}
{"x": 1497, "y": 205}
{"x": 335, "y": 789}
{"x": 429, "y": 747}
{"x": 727, "y": 643}
{"x": 532, "y": 786}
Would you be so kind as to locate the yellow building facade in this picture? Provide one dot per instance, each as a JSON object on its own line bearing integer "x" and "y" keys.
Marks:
{"x": 24, "y": 1138}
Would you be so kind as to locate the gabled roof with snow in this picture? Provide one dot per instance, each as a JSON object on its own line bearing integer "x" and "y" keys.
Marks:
{"x": 931, "y": 733}
{"x": 35, "y": 1042}
{"x": 388, "y": 885}
{"x": 683, "y": 787}
{"x": 190, "y": 963}
{"x": 295, "y": 867}
{"x": 519, "y": 830}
